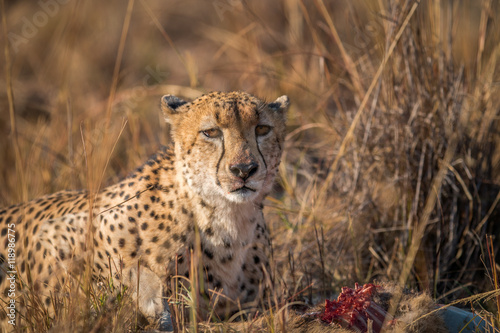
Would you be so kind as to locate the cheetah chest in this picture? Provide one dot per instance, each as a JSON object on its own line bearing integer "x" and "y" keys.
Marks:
{"x": 225, "y": 245}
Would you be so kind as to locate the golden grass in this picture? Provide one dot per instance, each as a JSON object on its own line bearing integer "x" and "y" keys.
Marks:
{"x": 391, "y": 169}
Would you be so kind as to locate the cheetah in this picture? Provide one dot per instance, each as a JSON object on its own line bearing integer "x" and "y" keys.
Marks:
{"x": 205, "y": 190}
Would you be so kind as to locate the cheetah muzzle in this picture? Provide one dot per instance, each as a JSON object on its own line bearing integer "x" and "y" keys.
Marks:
{"x": 202, "y": 194}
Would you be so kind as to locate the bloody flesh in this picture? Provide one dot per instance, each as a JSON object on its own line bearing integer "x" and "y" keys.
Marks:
{"x": 354, "y": 307}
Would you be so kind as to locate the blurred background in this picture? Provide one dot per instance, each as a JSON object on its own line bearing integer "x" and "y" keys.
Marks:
{"x": 391, "y": 168}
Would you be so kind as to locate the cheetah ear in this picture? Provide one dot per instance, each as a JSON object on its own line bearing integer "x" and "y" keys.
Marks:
{"x": 170, "y": 105}
{"x": 280, "y": 104}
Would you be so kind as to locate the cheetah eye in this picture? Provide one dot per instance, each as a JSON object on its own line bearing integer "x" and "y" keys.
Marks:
{"x": 262, "y": 130}
{"x": 212, "y": 133}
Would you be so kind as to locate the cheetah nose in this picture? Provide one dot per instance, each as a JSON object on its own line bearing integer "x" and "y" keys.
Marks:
{"x": 244, "y": 171}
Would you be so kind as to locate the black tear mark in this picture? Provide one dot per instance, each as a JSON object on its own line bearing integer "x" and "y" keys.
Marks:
{"x": 258, "y": 149}
{"x": 218, "y": 163}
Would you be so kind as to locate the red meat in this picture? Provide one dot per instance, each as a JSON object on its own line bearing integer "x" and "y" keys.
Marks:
{"x": 354, "y": 307}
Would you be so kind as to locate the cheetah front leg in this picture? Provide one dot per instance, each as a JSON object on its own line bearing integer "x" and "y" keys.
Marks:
{"x": 148, "y": 289}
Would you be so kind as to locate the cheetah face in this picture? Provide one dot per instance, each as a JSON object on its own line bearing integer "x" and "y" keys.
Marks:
{"x": 227, "y": 145}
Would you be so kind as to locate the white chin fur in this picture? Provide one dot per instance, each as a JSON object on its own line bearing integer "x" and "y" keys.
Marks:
{"x": 240, "y": 197}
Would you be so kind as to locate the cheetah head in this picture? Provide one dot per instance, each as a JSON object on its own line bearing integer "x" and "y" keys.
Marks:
{"x": 227, "y": 145}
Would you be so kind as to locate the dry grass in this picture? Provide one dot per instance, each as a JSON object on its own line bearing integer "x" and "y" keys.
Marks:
{"x": 391, "y": 170}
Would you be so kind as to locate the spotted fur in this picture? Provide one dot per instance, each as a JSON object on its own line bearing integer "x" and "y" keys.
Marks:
{"x": 211, "y": 181}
